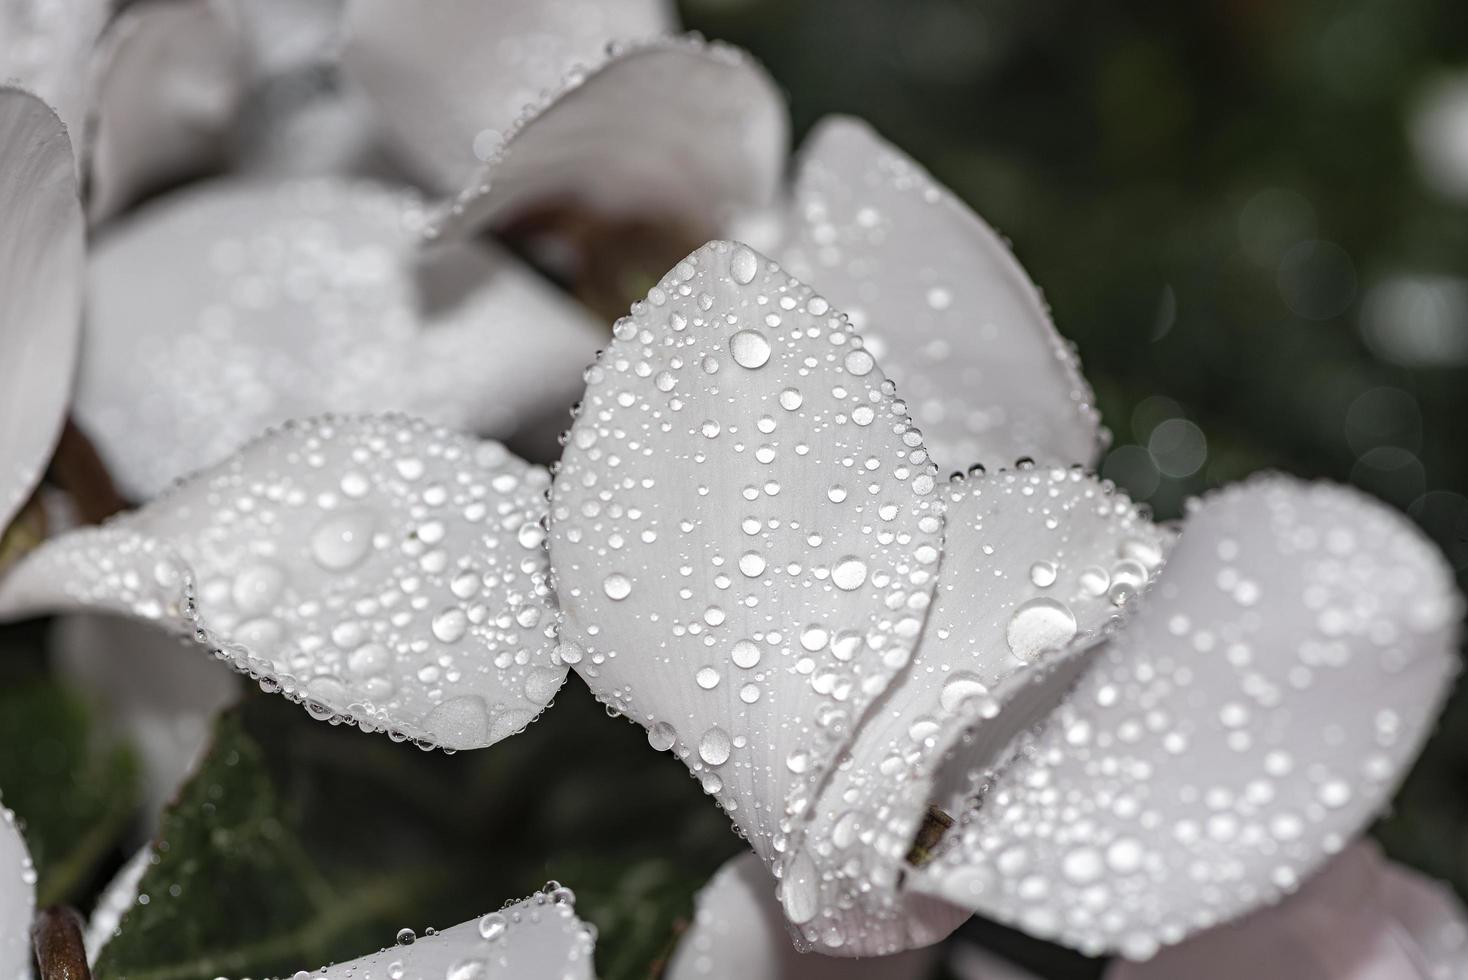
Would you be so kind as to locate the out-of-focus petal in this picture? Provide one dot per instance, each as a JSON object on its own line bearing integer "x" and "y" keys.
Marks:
{"x": 47, "y": 47}
{"x": 969, "y": 962}
{"x": 119, "y": 895}
{"x": 538, "y": 938}
{"x": 745, "y": 533}
{"x": 169, "y": 77}
{"x": 675, "y": 127}
{"x": 1035, "y": 563}
{"x": 739, "y": 932}
{"x": 17, "y": 900}
{"x": 941, "y": 301}
{"x": 449, "y": 79}
{"x": 1359, "y": 918}
{"x": 289, "y": 35}
{"x": 227, "y": 309}
{"x": 153, "y": 687}
{"x": 1258, "y": 709}
{"x": 41, "y": 262}
{"x": 376, "y": 568}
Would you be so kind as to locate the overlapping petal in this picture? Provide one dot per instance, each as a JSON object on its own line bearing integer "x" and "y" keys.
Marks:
{"x": 1036, "y": 563}
{"x": 745, "y": 532}
{"x": 41, "y": 262}
{"x": 941, "y": 301}
{"x": 671, "y": 127}
{"x": 17, "y": 900}
{"x": 449, "y": 81}
{"x": 1360, "y": 918}
{"x": 1257, "y": 711}
{"x": 375, "y": 567}
{"x": 235, "y": 306}
{"x": 47, "y": 47}
{"x": 168, "y": 79}
{"x": 738, "y": 930}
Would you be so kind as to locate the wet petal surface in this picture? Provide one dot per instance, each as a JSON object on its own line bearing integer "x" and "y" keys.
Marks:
{"x": 17, "y": 900}
{"x": 377, "y": 568}
{"x": 1256, "y": 712}
{"x": 450, "y": 80}
{"x": 41, "y": 260}
{"x": 941, "y": 301}
{"x": 673, "y": 127}
{"x": 236, "y": 306}
{"x": 745, "y": 532}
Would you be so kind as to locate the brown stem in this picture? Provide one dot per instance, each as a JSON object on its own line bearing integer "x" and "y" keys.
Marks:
{"x": 78, "y": 469}
{"x": 57, "y": 937}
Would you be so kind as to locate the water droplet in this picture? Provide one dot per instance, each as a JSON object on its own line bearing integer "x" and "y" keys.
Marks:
{"x": 849, "y": 573}
{"x": 342, "y": 540}
{"x": 749, "y": 348}
{"x": 1040, "y": 625}
{"x": 662, "y": 736}
{"x": 743, "y": 265}
{"x": 617, "y": 586}
{"x": 714, "y": 746}
{"x": 493, "y": 926}
{"x": 1043, "y": 573}
{"x": 745, "y": 654}
{"x": 708, "y": 678}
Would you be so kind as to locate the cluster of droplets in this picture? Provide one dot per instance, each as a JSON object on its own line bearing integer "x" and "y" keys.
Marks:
{"x": 745, "y": 532}
{"x": 1202, "y": 765}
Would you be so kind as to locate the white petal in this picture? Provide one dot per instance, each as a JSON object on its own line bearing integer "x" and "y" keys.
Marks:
{"x": 114, "y": 902}
{"x": 674, "y": 126}
{"x": 1035, "y": 562}
{"x": 376, "y": 568}
{"x": 1258, "y": 709}
{"x": 224, "y": 310}
{"x": 47, "y": 47}
{"x": 289, "y": 35}
{"x": 41, "y": 258}
{"x": 739, "y": 932}
{"x": 452, "y": 78}
{"x": 1359, "y": 918}
{"x": 941, "y": 301}
{"x": 539, "y": 938}
{"x": 168, "y": 79}
{"x": 17, "y": 900}
{"x": 150, "y": 685}
{"x": 745, "y": 533}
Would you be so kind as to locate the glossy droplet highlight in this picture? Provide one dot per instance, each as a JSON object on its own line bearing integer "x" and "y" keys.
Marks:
{"x": 1040, "y": 625}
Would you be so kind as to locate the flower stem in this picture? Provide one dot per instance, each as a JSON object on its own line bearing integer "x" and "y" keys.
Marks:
{"x": 57, "y": 937}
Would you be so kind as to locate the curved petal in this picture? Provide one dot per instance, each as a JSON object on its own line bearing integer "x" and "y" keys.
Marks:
{"x": 119, "y": 895}
{"x": 744, "y": 532}
{"x": 738, "y": 930}
{"x": 377, "y": 568}
{"x": 168, "y": 79}
{"x": 453, "y": 77}
{"x": 1359, "y": 918}
{"x": 221, "y": 311}
{"x": 537, "y": 937}
{"x": 941, "y": 301}
{"x": 1258, "y": 709}
{"x": 152, "y": 686}
{"x": 17, "y": 900}
{"x": 674, "y": 126}
{"x": 41, "y": 258}
{"x": 289, "y": 35}
{"x": 1035, "y": 563}
{"x": 47, "y": 47}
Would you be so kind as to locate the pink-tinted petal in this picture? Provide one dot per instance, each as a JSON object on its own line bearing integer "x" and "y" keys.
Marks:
{"x": 739, "y": 931}
{"x": 1359, "y": 918}
{"x": 940, "y": 299}
{"x": 235, "y": 306}
{"x": 376, "y": 568}
{"x": 1257, "y": 710}
{"x": 745, "y": 532}
{"x": 448, "y": 80}
{"x": 674, "y": 127}
{"x": 41, "y": 260}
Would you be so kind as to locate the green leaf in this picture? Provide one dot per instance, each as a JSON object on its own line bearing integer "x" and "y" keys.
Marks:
{"x": 74, "y": 791}
{"x": 298, "y": 844}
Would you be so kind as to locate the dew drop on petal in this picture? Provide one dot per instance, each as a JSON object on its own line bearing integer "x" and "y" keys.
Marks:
{"x": 1040, "y": 625}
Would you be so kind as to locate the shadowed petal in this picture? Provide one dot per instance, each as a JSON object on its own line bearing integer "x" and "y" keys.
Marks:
{"x": 17, "y": 900}
{"x": 1359, "y": 918}
{"x": 674, "y": 127}
{"x": 221, "y": 311}
{"x": 375, "y": 567}
{"x": 1256, "y": 712}
{"x": 450, "y": 79}
{"x": 745, "y": 532}
{"x": 41, "y": 260}
{"x": 168, "y": 79}
{"x": 738, "y": 931}
{"x": 47, "y": 47}
{"x": 941, "y": 301}
{"x": 1036, "y": 563}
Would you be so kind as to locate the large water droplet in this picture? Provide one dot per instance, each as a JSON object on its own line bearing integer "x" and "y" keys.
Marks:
{"x": 749, "y": 348}
{"x": 617, "y": 586}
{"x": 342, "y": 540}
{"x": 1040, "y": 625}
{"x": 714, "y": 746}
